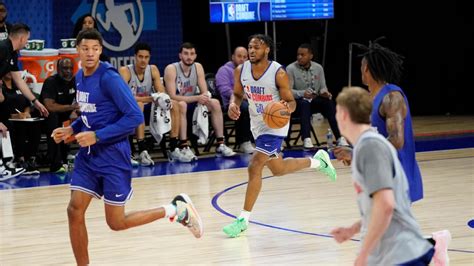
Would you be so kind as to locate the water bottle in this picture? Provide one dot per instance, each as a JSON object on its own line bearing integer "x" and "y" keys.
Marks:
{"x": 329, "y": 139}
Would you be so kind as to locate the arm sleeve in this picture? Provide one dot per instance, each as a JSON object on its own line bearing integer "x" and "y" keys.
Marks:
{"x": 376, "y": 165}
{"x": 77, "y": 125}
{"x": 121, "y": 95}
{"x": 224, "y": 84}
{"x": 322, "y": 79}
{"x": 14, "y": 67}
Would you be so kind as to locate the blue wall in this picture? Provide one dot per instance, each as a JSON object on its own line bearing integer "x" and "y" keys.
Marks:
{"x": 53, "y": 20}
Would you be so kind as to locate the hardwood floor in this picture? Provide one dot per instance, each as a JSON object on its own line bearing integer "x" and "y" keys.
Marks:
{"x": 295, "y": 213}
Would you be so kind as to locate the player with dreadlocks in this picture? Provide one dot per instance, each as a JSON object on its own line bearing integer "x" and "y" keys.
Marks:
{"x": 381, "y": 69}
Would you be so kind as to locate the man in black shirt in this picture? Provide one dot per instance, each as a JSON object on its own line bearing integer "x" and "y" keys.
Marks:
{"x": 58, "y": 95}
{"x": 17, "y": 39}
{"x": 4, "y": 26}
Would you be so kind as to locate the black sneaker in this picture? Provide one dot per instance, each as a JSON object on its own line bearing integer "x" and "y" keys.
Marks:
{"x": 7, "y": 172}
{"x": 30, "y": 168}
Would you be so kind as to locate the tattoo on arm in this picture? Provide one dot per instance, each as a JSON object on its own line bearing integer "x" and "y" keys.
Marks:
{"x": 394, "y": 109}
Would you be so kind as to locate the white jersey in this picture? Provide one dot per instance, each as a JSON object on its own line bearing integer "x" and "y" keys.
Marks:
{"x": 140, "y": 87}
{"x": 260, "y": 93}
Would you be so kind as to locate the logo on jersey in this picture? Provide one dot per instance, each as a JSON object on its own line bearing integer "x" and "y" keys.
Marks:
{"x": 124, "y": 18}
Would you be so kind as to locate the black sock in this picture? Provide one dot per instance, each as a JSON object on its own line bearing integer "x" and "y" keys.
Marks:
{"x": 220, "y": 140}
{"x": 173, "y": 143}
{"x": 141, "y": 145}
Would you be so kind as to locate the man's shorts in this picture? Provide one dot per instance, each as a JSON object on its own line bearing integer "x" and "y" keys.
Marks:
{"x": 104, "y": 171}
{"x": 269, "y": 145}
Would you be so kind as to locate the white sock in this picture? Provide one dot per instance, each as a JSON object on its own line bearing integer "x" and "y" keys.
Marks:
{"x": 246, "y": 215}
{"x": 314, "y": 163}
{"x": 170, "y": 210}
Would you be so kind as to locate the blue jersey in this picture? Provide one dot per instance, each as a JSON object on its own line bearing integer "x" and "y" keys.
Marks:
{"x": 107, "y": 105}
{"x": 407, "y": 153}
{"x": 108, "y": 108}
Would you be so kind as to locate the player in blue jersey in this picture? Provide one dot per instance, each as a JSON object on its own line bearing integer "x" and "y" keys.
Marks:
{"x": 381, "y": 69}
{"x": 109, "y": 113}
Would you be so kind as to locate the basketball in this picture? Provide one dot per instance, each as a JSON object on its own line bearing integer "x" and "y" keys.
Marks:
{"x": 276, "y": 115}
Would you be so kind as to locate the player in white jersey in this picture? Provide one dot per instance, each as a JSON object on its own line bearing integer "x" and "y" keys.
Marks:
{"x": 262, "y": 82}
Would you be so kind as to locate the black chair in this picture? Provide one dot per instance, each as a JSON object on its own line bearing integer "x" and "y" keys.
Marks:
{"x": 229, "y": 124}
{"x": 297, "y": 121}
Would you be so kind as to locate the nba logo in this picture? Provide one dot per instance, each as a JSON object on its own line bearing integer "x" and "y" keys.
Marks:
{"x": 231, "y": 12}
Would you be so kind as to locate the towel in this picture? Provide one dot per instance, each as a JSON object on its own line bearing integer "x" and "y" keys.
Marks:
{"x": 201, "y": 122}
{"x": 160, "y": 116}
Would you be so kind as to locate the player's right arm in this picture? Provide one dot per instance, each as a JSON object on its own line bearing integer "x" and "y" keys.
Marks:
{"x": 237, "y": 95}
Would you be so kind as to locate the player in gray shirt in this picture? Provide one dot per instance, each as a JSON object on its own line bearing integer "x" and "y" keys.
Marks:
{"x": 389, "y": 231}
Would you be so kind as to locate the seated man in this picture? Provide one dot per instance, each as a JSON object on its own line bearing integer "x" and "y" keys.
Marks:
{"x": 185, "y": 83}
{"x": 312, "y": 96}
{"x": 144, "y": 79}
{"x": 225, "y": 86}
{"x": 25, "y": 135}
{"x": 6, "y": 171}
{"x": 58, "y": 95}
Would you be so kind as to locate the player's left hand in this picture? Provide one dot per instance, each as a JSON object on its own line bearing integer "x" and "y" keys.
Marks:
{"x": 86, "y": 138}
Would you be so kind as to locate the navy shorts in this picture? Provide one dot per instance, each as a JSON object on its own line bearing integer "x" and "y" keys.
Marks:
{"x": 269, "y": 144}
{"x": 104, "y": 171}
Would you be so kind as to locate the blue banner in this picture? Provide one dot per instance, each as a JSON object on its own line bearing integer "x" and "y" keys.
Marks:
{"x": 123, "y": 23}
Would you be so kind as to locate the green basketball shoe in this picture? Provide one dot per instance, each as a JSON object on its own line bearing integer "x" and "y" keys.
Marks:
{"x": 236, "y": 228}
{"x": 326, "y": 166}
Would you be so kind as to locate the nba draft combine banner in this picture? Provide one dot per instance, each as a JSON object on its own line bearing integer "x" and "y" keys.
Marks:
{"x": 123, "y": 23}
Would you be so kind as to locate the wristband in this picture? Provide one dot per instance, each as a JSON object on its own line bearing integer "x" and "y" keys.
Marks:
{"x": 34, "y": 100}
{"x": 96, "y": 138}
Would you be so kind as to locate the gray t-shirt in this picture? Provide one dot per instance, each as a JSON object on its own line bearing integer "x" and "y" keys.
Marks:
{"x": 375, "y": 167}
{"x": 302, "y": 79}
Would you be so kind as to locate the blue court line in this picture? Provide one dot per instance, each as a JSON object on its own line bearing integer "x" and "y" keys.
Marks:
{"x": 219, "y": 209}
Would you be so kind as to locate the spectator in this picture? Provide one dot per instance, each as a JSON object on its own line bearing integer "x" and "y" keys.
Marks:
{"x": 6, "y": 171}
{"x": 225, "y": 86}
{"x": 185, "y": 83}
{"x": 308, "y": 84}
{"x": 87, "y": 21}
{"x": 4, "y": 25}
{"x": 58, "y": 95}
{"x": 26, "y": 135}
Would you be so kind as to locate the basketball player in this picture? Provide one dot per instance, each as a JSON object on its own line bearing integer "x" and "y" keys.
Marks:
{"x": 390, "y": 233}
{"x": 144, "y": 79}
{"x": 263, "y": 82}
{"x": 185, "y": 82}
{"x": 381, "y": 70}
{"x": 102, "y": 168}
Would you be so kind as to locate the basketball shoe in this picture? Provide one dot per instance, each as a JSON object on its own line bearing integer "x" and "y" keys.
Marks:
{"x": 187, "y": 215}
{"x": 325, "y": 164}
{"x": 236, "y": 228}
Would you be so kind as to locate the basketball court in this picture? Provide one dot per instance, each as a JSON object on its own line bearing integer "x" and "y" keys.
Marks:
{"x": 291, "y": 220}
